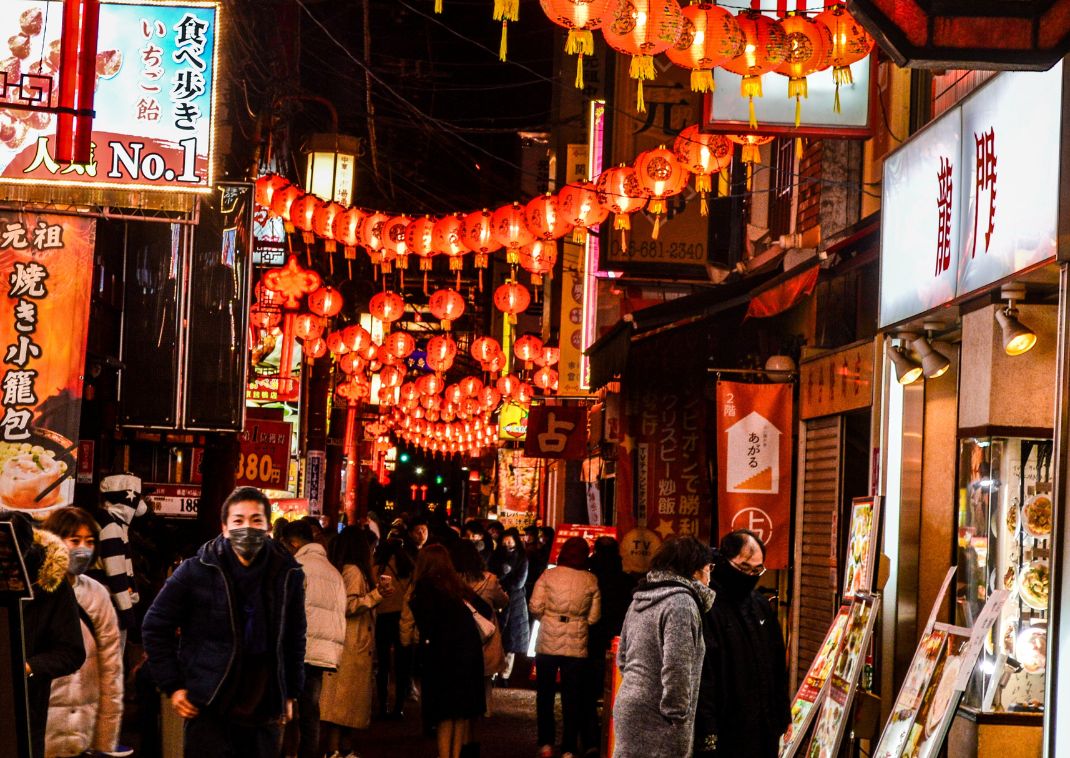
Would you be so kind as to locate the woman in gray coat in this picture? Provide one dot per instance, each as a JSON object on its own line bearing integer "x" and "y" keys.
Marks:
{"x": 660, "y": 654}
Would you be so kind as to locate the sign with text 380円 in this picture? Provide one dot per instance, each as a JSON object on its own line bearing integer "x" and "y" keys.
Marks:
{"x": 155, "y": 99}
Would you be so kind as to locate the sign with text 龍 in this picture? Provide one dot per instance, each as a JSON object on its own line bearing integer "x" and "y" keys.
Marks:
{"x": 155, "y": 97}
{"x": 46, "y": 274}
{"x": 973, "y": 198}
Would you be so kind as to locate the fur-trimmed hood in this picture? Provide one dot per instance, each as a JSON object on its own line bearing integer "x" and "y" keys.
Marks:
{"x": 56, "y": 559}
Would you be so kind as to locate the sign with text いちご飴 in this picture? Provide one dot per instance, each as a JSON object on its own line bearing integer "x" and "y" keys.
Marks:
{"x": 153, "y": 129}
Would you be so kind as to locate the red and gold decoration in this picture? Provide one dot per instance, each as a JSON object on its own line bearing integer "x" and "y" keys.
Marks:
{"x": 447, "y": 306}
{"x": 660, "y": 176}
{"x": 387, "y": 306}
{"x": 809, "y": 50}
{"x": 544, "y": 218}
{"x": 620, "y": 193}
{"x": 512, "y": 298}
{"x": 642, "y": 29}
{"x": 578, "y": 204}
{"x": 850, "y": 44}
{"x": 764, "y": 48}
{"x": 441, "y": 351}
{"x": 420, "y": 240}
{"x": 580, "y": 17}
{"x": 290, "y": 283}
{"x": 709, "y": 37}
{"x": 703, "y": 154}
{"x": 510, "y": 230}
{"x": 751, "y": 153}
{"x": 538, "y": 259}
{"x": 505, "y": 11}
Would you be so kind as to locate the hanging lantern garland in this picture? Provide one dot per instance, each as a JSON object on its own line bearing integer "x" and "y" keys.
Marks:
{"x": 619, "y": 193}
{"x": 764, "y": 48}
{"x": 477, "y": 233}
{"x": 447, "y": 306}
{"x": 703, "y": 154}
{"x": 850, "y": 44}
{"x": 510, "y": 231}
{"x": 709, "y": 37}
{"x": 809, "y": 50}
{"x": 420, "y": 240}
{"x": 660, "y": 176}
{"x": 581, "y": 18}
{"x": 642, "y": 29}
{"x": 578, "y": 204}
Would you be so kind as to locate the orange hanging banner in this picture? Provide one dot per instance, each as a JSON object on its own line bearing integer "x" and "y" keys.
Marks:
{"x": 754, "y": 439}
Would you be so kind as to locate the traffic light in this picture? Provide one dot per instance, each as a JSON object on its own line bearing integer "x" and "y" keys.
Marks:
{"x": 404, "y": 457}
{"x": 438, "y": 479}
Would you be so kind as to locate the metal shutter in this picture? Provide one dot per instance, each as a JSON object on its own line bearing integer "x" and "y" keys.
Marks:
{"x": 816, "y": 582}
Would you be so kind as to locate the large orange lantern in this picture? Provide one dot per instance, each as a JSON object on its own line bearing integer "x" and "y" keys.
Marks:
{"x": 578, "y": 204}
{"x": 549, "y": 356}
{"x": 391, "y": 376}
{"x": 642, "y": 29}
{"x": 441, "y": 350}
{"x": 430, "y": 384}
{"x": 545, "y": 378}
{"x": 394, "y": 240}
{"x": 325, "y": 301}
{"x": 510, "y": 230}
{"x": 282, "y": 201}
{"x": 703, "y": 154}
{"x": 356, "y": 338}
{"x": 387, "y": 306}
{"x": 765, "y": 48}
{"x": 489, "y": 397}
{"x": 447, "y": 306}
{"x": 347, "y": 229}
{"x": 266, "y": 186}
{"x": 323, "y": 222}
{"x": 661, "y": 176}
{"x": 309, "y": 326}
{"x": 420, "y": 239}
{"x": 580, "y": 17}
{"x": 709, "y": 37}
{"x": 850, "y": 44}
{"x": 512, "y": 298}
{"x": 809, "y": 50}
{"x": 538, "y": 259}
{"x": 302, "y": 213}
{"x": 399, "y": 344}
{"x": 471, "y": 386}
{"x": 507, "y": 385}
{"x": 527, "y": 349}
{"x": 336, "y": 344}
{"x": 495, "y": 364}
{"x": 372, "y": 231}
{"x": 485, "y": 348}
{"x": 544, "y": 218}
{"x": 619, "y": 192}
{"x": 751, "y": 153}
{"x": 448, "y": 238}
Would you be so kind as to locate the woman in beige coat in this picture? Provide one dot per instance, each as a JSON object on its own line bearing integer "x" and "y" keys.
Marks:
{"x": 346, "y": 700}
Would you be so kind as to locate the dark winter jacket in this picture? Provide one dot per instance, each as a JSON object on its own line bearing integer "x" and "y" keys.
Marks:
{"x": 537, "y": 562}
{"x": 52, "y": 631}
{"x": 743, "y": 699}
{"x": 616, "y": 588}
{"x": 199, "y": 601}
{"x": 660, "y": 659}
{"x": 512, "y": 571}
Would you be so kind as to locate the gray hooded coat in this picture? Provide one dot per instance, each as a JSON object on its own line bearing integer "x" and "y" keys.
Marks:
{"x": 660, "y": 658}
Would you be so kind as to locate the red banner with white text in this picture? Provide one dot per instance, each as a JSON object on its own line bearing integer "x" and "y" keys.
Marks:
{"x": 754, "y": 464}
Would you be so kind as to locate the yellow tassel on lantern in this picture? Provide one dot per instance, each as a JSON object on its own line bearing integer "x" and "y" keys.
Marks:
{"x": 751, "y": 154}
{"x": 580, "y": 42}
{"x": 512, "y": 256}
{"x": 798, "y": 89}
{"x": 642, "y": 67}
{"x": 579, "y": 72}
{"x": 657, "y": 227}
{"x": 702, "y": 81}
{"x": 456, "y": 263}
{"x": 841, "y": 75}
{"x": 579, "y": 235}
{"x": 438, "y": 6}
{"x": 622, "y": 221}
{"x": 703, "y": 184}
{"x": 751, "y": 87}
{"x": 329, "y": 246}
{"x": 505, "y": 11}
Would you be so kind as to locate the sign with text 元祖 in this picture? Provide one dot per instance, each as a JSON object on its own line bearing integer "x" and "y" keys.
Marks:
{"x": 754, "y": 464}
{"x": 153, "y": 129}
{"x": 973, "y": 197}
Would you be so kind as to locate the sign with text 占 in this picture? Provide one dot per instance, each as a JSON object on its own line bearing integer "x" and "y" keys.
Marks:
{"x": 972, "y": 198}
{"x": 556, "y": 431}
{"x": 155, "y": 99}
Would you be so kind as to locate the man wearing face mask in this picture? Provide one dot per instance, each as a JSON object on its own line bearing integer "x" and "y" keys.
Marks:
{"x": 743, "y": 703}
{"x": 239, "y": 664}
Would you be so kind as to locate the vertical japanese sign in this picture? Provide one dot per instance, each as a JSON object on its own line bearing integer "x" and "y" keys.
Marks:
{"x": 315, "y": 471}
{"x": 672, "y": 495}
{"x": 754, "y": 464}
{"x": 46, "y": 271}
{"x": 518, "y": 488}
{"x": 154, "y": 76}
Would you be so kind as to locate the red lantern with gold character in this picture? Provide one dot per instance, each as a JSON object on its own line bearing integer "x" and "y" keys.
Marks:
{"x": 314, "y": 348}
{"x": 387, "y": 306}
{"x": 391, "y": 376}
{"x": 512, "y": 298}
{"x": 809, "y": 50}
{"x": 544, "y": 218}
{"x": 356, "y": 338}
{"x": 336, "y": 344}
{"x": 395, "y": 246}
{"x": 325, "y": 301}
{"x": 765, "y": 48}
{"x": 323, "y": 222}
{"x": 545, "y": 378}
{"x": 850, "y": 44}
{"x": 538, "y": 259}
{"x": 351, "y": 363}
{"x": 372, "y": 231}
{"x": 661, "y": 176}
{"x": 507, "y": 385}
{"x": 420, "y": 239}
{"x": 619, "y": 192}
{"x": 430, "y": 384}
{"x": 642, "y": 29}
{"x": 448, "y": 238}
{"x": 710, "y": 36}
{"x": 489, "y": 397}
{"x": 447, "y": 306}
{"x": 549, "y": 356}
{"x": 471, "y": 386}
{"x": 703, "y": 154}
{"x": 309, "y": 326}
{"x": 347, "y": 229}
{"x": 578, "y": 203}
{"x": 510, "y": 230}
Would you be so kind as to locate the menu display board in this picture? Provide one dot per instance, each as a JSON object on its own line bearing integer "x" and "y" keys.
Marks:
{"x": 862, "y": 547}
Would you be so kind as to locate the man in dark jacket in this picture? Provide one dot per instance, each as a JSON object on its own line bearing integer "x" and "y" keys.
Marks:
{"x": 238, "y": 664}
{"x": 52, "y": 632}
{"x": 743, "y": 703}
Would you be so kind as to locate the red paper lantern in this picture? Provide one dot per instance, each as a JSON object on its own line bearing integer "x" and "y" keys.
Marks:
{"x": 409, "y": 393}
{"x": 642, "y": 29}
{"x": 765, "y": 48}
{"x": 347, "y": 227}
{"x": 388, "y": 395}
{"x": 446, "y": 305}
{"x": 703, "y": 154}
{"x": 750, "y": 143}
{"x": 538, "y": 259}
{"x": 394, "y": 240}
{"x": 544, "y": 219}
{"x": 308, "y": 326}
{"x": 264, "y": 318}
{"x": 549, "y": 356}
{"x": 471, "y": 386}
{"x": 291, "y": 282}
{"x": 441, "y": 350}
{"x": 495, "y": 364}
{"x": 580, "y": 17}
{"x": 507, "y": 385}
{"x": 420, "y": 239}
{"x": 545, "y": 378}
{"x": 387, "y": 306}
{"x": 809, "y": 50}
{"x": 661, "y": 176}
{"x": 527, "y": 348}
{"x": 325, "y": 301}
{"x": 489, "y": 397}
{"x": 266, "y": 186}
{"x": 372, "y": 230}
{"x": 399, "y": 344}
{"x": 448, "y": 239}
{"x": 579, "y": 205}
{"x": 282, "y": 201}
{"x": 336, "y": 344}
{"x": 453, "y": 394}
{"x": 485, "y": 348}
{"x": 850, "y": 44}
{"x": 511, "y": 298}
{"x": 709, "y": 37}
{"x": 619, "y": 192}
{"x": 314, "y": 348}
{"x": 323, "y": 220}
{"x": 351, "y": 363}
{"x": 391, "y": 376}
{"x": 522, "y": 394}
{"x": 356, "y": 338}
{"x": 302, "y": 212}
{"x": 510, "y": 230}
{"x": 430, "y": 384}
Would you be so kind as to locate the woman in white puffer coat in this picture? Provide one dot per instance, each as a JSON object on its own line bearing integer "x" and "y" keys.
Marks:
{"x": 85, "y": 709}
{"x": 566, "y": 602}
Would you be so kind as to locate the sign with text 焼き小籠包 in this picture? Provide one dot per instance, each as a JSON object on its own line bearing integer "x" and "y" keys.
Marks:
{"x": 973, "y": 198}
{"x": 155, "y": 99}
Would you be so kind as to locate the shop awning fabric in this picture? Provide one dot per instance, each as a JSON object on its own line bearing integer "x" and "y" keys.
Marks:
{"x": 762, "y": 296}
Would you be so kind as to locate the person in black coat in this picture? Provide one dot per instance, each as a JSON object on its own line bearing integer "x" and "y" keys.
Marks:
{"x": 744, "y": 704}
{"x": 616, "y": 588}
{"x": 52, "y": 632}
{"x": 510, "y": 565}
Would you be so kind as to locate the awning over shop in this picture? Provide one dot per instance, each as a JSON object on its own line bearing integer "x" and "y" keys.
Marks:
{"x": 609, "y": 354}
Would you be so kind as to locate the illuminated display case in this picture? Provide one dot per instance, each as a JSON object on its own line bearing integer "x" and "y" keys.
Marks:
{"x": 1004, "y": 541}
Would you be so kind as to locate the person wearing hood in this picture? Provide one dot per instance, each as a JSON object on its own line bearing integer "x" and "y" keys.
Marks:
{"x": 660, "y": 654}
{"x": 238, "y": 667}
{"x": 510, "y": 565}
{"x": 121, "y": 502}
{"x": 52, "y": 636}
{"x": 744, "y": 704}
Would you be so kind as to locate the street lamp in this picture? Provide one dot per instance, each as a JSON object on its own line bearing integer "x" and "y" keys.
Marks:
{"x": 332, "y": 161}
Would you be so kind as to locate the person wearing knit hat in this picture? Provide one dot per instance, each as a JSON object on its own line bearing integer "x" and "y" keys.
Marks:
{"x": 121, "y": 500}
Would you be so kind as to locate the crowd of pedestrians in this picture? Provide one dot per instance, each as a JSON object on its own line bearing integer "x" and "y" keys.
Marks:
{"x": 285, "y": 640}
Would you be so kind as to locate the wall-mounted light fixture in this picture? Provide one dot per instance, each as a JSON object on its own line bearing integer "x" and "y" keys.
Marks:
{"x": 1017, "y": 337}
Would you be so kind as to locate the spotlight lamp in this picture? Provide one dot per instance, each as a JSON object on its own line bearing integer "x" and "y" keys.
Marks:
{"x": 907, "y": 370}
{"x": 934, "y": 364}
{"x": 1017, "y": 337}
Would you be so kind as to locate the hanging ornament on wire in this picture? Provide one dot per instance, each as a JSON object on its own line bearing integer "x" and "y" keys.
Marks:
{"x": 765, "y": 48}
{"x": 395, "y": 246}
{"x": 420, "y": 239}
{"x": 545, "y": 379}
{"x": 544, "y": 219}
{"x": 751, "y": 153}
{"x": 642, "y": 29}
{"x": 578, "y": 204}
{"x": 325, "y": 302}
{"x": 660, "y": 176}
{"x": 290, "y": 283}
{"x": 447, "y": 306}
{"x": 527, "y": 348}
{"x": 510, "y": 231}
{"x": 347, "y": 231}
{"x": 703, "y": 154}
{"x": 441, "y": 351}
{"x": 301, "y": 216}
{"x": 709, "y": 37}
{"x": 538, "y": 259}
{"x": 282, "y": 203}
{"x": 372, "y": 230}
{"x": 580, "y": 17}
{"x": 809, "y": 50}
{"x": 266, "y": 186}
{"x": 447, "y": 237}
{"x": 485, "y": 348}
{"x": 505, "y": 11}
{"x": 399, "y": 344}
{"x": 512, "y": 298}
{"x": 387, "y": 306}
{"x": 850, "y": 44}
{"x": 323, "y": 223}
{"x": 619, "y": 192}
